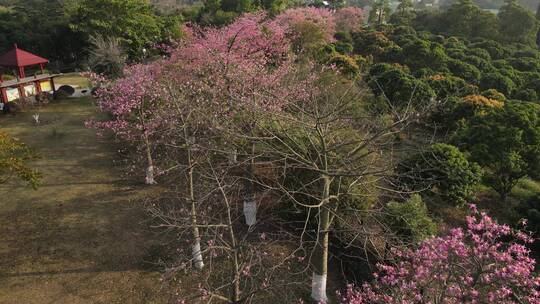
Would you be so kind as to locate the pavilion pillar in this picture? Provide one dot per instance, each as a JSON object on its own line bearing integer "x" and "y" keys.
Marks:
{"x": 52, "y": 85}
{"x": 4, "y": 95}
{"x": 21, "y": 72}
{"x": 37, "y": 84}
{"x": 22, "y": 94}
{"x": 42, "y": 68}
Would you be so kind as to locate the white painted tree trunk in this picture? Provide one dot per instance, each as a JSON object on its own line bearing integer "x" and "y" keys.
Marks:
{"x": 197, "y": 255}
{"x": 318, "y": 288}
{"x": 233, "y": 156}
{"x": 250, "y": 212}
{"x": 149, "y": 180}
{"x": 320, "y": 254}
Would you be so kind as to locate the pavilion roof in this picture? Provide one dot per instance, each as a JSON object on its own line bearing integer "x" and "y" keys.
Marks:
{"x": 20, "y": 58}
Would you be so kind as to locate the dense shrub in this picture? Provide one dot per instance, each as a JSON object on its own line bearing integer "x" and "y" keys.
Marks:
{"x": 526, "y": 95}
{"x": 442, "y": 170}
{"x": 346, "y": 64}
{"x": 409, "y": 220}
{"x": 530, "y": 210}
{"x": 464, "y": 70}
{"x": 446, "y": 86}
{"x": 400, "y": 88}
{"x": 494, "y": 94}
{"x": 499, "y": 82}
{"x": 422, "y": 53}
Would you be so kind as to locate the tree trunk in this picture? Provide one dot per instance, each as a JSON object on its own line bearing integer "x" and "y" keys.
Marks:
{"x": 250, "y": 204}
{"x": 149, "y": 180}
{"x": 250, "y": 211}
{"x": 197, "y": 254}
{"x": 503, "y": 195}
{"x": 320, "y": 256}
{"x": 196, "y": 248}
{"x": 233, "y": 156}
{"x": 235, "y": 291}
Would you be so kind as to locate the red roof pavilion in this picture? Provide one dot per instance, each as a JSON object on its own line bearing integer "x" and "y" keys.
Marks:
{"x": 23, "y": 86}
{"x": 20, "y": 59}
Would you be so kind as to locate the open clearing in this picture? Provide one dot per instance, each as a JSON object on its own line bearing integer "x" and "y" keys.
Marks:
{"x": 81, "y": 236}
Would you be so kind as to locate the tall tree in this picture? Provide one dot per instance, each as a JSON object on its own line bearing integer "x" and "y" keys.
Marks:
{"x": 42, "y": 27}
{"x": 465, "y": 18}
{"x": 246, "y": 63}
{"x": 133, "y": 101}
{"x": 404, "y": 13}
{"x": 133, "y": 22}
{"x": 380, "y": 12}
{"x": 330, "y": 152}
{"x": 516, "y": 23}
{"x": 506, "y": 142}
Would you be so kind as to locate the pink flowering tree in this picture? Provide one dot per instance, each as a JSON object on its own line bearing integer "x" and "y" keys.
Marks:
{"x": 309, "y": 27}
{"x": 210, "y": 123}
{"x": 231, "y": 76}
{"x": 131, "y": 103}
{"x": 349, "y": 19}
{"x": 216, "y": 84}
{"x": 484, "y": 263}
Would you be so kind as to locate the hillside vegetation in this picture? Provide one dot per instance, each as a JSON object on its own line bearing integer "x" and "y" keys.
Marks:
{"x": 288, "y": 152}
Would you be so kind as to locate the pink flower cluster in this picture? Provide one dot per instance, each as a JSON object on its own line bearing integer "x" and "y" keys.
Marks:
{"x": 349, "y": 19}
{"x": 485, "y": 263}
{"x": 239, "y": 68}
{"x": 323, "y": 18}
{"x": 131, "y": 101}
{"x": 328, "y": 22}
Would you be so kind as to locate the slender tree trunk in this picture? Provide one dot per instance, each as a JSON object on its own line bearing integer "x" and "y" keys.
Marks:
{"x": 233, "y": 156}
{"x": 320, "y": 256}
{"x": 250, "y": 204}
{"x": 504, "y": 196}
{"x": 196, "y": 248}
{"x": 149, "y": 180}
{"x": 236, "y": 291}
{"x": 236, "y": 287}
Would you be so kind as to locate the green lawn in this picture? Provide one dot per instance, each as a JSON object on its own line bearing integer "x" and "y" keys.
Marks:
{"x": 73, "y": 79}
{"x": 81, "y": 237}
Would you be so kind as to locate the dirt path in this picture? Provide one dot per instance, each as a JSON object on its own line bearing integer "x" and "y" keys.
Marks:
{"x": 80, "y": 237}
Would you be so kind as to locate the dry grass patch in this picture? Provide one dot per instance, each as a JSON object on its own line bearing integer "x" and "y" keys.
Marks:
{"x": 81, "y": 237}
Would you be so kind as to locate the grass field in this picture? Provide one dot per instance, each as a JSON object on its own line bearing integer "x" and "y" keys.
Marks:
{"x": 81, "y": 236}
{"x": 74, "y": 79}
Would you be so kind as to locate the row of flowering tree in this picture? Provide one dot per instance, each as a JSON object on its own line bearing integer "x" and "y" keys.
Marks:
{"x": 244, "y": 127}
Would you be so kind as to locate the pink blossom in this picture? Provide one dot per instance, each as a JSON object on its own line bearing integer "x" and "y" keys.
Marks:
{"x": 321, "y": 18}
{"x": 486, "y": 263}
{"x": 349, "y": 19}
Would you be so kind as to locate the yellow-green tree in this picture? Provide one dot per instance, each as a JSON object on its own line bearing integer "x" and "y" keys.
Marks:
{"x": 14, "y": 161}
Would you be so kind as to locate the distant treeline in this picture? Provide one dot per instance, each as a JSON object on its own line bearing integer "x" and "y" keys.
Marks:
{"x": 63, "y": 30}
{"x": 60, "y": 30}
